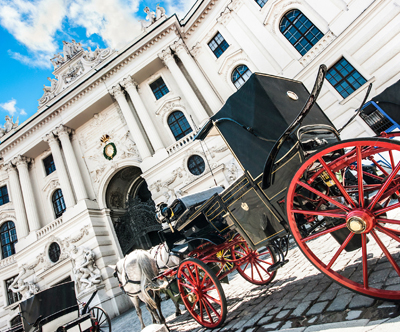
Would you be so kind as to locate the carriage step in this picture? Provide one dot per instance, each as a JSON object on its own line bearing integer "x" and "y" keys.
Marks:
{"x": 277, "y": 265}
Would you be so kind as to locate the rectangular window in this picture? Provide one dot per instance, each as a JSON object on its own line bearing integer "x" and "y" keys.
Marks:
{"x": 159, "y": 88}
{"x": 12, "y": 297}
{"x": 4, "y": 195}
{"x": 344, "y": 78}
{"x": 261, "y": 2}
{"x": 49, "y": 165}
{"x": 218, "y": 45}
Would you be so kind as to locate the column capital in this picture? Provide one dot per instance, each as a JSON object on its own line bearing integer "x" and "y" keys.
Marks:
{"x": 225, "y": 17}
{"x": 62, "y": 131}
{"x": 9, "y": 167}
{"x": 21, "y": 161}
{"x": 128, "y": 83}
{"x": 166, "y": 55}
{"x": 116, "y": 91}
{"x": 179, "y": 46}
{"x": 50, "y": 138}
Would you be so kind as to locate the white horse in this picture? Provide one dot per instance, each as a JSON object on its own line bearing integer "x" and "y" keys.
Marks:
{"x": 135, "y": 273}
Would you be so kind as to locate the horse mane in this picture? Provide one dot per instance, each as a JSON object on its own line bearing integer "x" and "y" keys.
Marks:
{"x": 149, "y": 271}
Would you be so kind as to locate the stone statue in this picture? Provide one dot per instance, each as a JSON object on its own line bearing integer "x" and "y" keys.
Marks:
{"x": 160, "y": 12}
{"x": 91, "y": 55}
{"x": 150, "y": 18}
{"x": 57, "y": 60}
{"x": 76, "y": 47}
{"x": 85, "y": 269}
{"x": 9, "y": 125}
{"x": 26, "y": 289}
{"x": 68, "y": 50}
{"x": 53, "y": 85}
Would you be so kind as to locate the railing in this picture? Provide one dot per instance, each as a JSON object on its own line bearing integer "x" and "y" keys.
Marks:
{"x": 181, "y": 143}
{"x": 48, "y": 228}
{"x": 7, "y": 261}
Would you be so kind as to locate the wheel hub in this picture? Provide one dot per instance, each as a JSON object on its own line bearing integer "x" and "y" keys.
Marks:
{"x": 191, "y": 297}
{"x": 360, "y": 221}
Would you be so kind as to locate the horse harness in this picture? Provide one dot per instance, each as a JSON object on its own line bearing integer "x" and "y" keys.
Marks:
{"x": 158, "y": 250}
{"x": 128, "y": 281}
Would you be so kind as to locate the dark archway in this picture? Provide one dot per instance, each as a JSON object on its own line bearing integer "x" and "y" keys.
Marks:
{"x": 132, "y": 210}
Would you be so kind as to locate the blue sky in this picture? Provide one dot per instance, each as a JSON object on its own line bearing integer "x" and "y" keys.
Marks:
{"x": 32, "y": 31}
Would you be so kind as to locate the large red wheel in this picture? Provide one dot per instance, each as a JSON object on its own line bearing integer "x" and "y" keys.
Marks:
{"x": 255, "y": 263}
{"x": 202, "y": 293}
{"x": 343, "y": 208}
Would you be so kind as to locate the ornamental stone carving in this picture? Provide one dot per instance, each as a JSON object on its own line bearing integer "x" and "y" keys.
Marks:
{"x": 8, "y": 126}
{"x": 26, "y": 288}
{"x": 152, "y": 16}
{"x": 73, "y": 72}
{"x": 116, "y": 91}
{"x": 166, "y": 55}
{"x": 85, "y": 269}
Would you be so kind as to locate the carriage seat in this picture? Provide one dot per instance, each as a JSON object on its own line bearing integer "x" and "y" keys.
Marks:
{"x": 53, "y": 322}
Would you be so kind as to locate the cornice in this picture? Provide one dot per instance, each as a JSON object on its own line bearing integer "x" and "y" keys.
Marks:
{"x": 54, "y": 111}
{"x": 188, "y": 31}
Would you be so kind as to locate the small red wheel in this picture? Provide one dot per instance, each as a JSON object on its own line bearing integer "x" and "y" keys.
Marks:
{"x": 255, "y": 263}
{"x": 343, "y": 208}
{"x": 100, "y": 320}
{"x": 202, "y": 293}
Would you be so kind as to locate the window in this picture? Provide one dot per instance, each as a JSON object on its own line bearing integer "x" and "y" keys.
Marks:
{"x": 8, "y": 236}
{"x": 58, "y": 203}
{"x": 240, "y": 75}
{"x": 4, "y": 195}
{"x": 196, "y": 165}
{"x": 375, "y": 117}
{"x": 49, "y": 165}
{"x": 300, "y": 31}
{"x": 12, "y": 297}
{"x": 344, "y": 78}
{"x": 261, "y": 2}
{"x": 159, "y": 88}
{"x": 179, "y": 125}
{"x": 54, "y": 252}
{"x": 218, "y": 45}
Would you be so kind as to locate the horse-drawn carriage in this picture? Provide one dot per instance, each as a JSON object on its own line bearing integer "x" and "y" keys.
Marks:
{"x": 56, "y": 310}
{"x": 338, "y": 199}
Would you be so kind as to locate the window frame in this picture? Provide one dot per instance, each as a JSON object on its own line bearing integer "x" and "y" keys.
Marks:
{"x": 345, "y": 78}
{"x": 12, "y": 241}
{"x": 10, "y": 293}
{"x": 2, "y": 195}
{"x": 303, "y": 35}
{"x": 241, "y": 76}
{"x": 46, "y": 167}
{"x": 166, "y": 86}
{"x": 197, "y": 165}
{"x": 170, "y": 129}
{"x": 261, "y": 6}
{"x": 58, "y": 214}
{"x": 218, "y": 44}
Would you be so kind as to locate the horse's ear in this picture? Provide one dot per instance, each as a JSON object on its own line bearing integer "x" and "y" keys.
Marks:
{"x": 112, "y": 266}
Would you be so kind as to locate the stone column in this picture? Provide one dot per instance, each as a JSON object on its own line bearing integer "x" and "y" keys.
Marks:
{"x": 197, "y": 76}
{"x": 131, "y": 122}
{"x": 66, "y": 188}
{"x": 131, "y": 87}
{"x": 184, "y": 85}
{"x": 76, "y": 177}
{"x": 18, "y": 201}
{"x": 27, "y": 192}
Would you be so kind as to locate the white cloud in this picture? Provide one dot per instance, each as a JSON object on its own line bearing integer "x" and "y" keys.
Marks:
{"x": 178, "y": 7}
{"x": 22, "y": 112}
{"x": 10, "y": 106}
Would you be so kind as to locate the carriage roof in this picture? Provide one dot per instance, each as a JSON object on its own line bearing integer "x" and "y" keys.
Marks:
{"x": 47, "y": 303}
{"x": 263, "y": 104}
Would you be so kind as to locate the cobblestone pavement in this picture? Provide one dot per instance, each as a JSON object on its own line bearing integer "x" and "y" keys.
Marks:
{"x": 300, "y": 298}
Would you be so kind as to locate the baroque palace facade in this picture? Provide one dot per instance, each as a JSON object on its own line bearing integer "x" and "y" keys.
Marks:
{"x": 113, "y": 133}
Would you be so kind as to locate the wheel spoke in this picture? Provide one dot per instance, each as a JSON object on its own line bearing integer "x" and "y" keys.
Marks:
{"x": 188, "y": 279}
{"x": 386, "y": 252}
{"x": 212, "y": 299}
{"x": 317, "y": 192}
{"x": 263, "y": 268}
{"x": 360, "y": 178}
{"x": 197, "y": 275}
{"x": 193, "y": 279}
{"x": 201, "y": 309}
{"x": 389, "y": 221}
{"x": 208, "y": 311}
{"x": 325, "y": 213}
{"x": 187, "y": 286}
{"x": 344, "y": 244}
{"x": 258, "y": 272}
{"x": 379, "y": 166}
{"x": 384, "y": 186}
{"x": 260, "y": 260}
{"x": 338, "y": 184}
{"x": 212, "y": 308}
{"x": 327, "y": 231}
{"x": 386, "y": 209}
{"x": 364, "y": 259}
{"x": 388, "y": 232}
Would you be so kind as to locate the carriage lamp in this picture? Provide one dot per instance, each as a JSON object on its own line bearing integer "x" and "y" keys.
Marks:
{"x": 292, "y": 95}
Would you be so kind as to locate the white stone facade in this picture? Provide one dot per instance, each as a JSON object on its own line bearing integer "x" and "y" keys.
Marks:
{"x": 108, "y": 93}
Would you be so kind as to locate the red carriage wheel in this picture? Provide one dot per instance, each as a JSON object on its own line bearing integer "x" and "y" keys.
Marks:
{"x": 343, "y": 208}
{"x": 202, "y": 293}
{"x": 255, "y": 263}
{"x": 100, "y": 320}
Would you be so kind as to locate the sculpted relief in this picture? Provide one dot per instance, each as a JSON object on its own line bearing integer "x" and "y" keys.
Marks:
{"x": 85, "y": 270}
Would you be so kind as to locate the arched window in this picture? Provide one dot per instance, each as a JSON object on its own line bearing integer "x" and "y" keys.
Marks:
{"x": 8, "y": 239}
{"x": 300, "y": 31}
{"x": 240, "y": 75}
{"x": 179, "y": 125}
{"x": 58, "y": 203}
{"x": 196, "y": 165}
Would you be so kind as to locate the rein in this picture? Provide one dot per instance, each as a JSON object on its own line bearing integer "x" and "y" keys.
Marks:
{"x": 128, "y": 281}
{"x": 158, "y": 250}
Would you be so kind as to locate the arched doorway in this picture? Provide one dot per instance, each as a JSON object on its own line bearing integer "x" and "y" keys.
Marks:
{"x": 132, "y": 210}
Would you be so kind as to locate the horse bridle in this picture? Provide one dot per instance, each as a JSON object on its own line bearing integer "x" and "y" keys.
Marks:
{"x": 128, "y": 281}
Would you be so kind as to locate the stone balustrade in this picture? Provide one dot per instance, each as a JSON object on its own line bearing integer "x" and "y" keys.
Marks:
{"x": 178, "y": 145}
{"x": 7, "y": 261}
{"x": 49, "y": 228}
